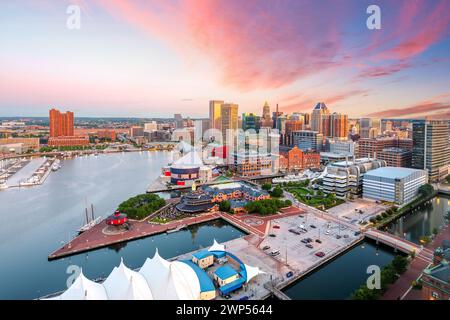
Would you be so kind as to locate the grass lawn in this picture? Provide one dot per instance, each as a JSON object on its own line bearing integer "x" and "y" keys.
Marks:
{"x": 316, "y": 201}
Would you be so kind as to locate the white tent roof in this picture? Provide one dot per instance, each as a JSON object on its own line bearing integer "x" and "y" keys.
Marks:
{"x": 156, "y": 271}
{"x": 183, "y": 282}
{"x": 252, "y": 272}
{"x": 84, "y": 289}
{"x": 216, "y": 246}
{"x": 126, "y": 284}
{"x": 170, "y": 280}
{"x": 191, "y": 159}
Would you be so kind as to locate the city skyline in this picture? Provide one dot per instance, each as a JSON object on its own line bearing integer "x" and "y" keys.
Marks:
{"x": 140, "y": 59}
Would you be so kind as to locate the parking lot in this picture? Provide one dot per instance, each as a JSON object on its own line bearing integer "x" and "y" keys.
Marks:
{"x": 357, "y": 210}
{"x": 290, "y": 247}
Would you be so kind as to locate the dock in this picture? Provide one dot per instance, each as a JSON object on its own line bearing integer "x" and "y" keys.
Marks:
{"x": 95, "y": 238}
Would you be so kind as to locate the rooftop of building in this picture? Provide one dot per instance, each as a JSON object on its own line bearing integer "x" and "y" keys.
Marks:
{"x": 395, "y": 150}
{"x": 225, "y": 272}
{"x": 392, "y": 172}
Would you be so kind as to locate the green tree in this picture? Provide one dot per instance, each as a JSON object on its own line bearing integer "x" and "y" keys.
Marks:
{"x": 400, "y": 263}
{"x": 277, "y": 192}
{"x": 225, "y": 206}
{"x": 267, "y": 186}
{"x": 426, "y": 190}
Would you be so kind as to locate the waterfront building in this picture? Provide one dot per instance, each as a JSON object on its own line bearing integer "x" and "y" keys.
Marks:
{"x": 316, "y": 117}
{"x": 393, "y": 184}
{"x": 371, "y": 147}
{"x": 186, "y": 170}
{"x": 396, "y": 157}
{"x": 295, "y": 159}
{"x": 308, "y": 140}
{"x": 27, "y": 144}
{"x": 345, "y": 178}
{"x": 203, "y": 259}
{"x": 436, "y": 277}
{"x": 431, "y": 148}
{"x": 61, "y": 124}
{"x": 68, "y": 141}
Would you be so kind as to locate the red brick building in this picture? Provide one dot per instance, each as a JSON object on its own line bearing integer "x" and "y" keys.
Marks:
{"x": 61, "y": 124}
{"x": 68, "y": 141}
{"x": 296, "y": 159}
{"x": 62, "y": 130}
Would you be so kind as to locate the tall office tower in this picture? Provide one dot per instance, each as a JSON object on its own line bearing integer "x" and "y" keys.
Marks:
{"x": 229, "y": 116}
{"x": 307, "y": 140}
{"x": 291, "y": 126}
{"x": 307, "y": 119}
{"x": 61, "y": 124}
{"x": 431, "y": 148}
{"x": 316, "y": 117}
{"x": 215, "y": 112}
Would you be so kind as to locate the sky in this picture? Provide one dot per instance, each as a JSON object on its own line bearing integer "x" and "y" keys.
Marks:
{"x": 154, "y": 58}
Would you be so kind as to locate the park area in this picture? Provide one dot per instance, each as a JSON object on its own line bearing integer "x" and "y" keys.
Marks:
{"x": 313, "y": 198}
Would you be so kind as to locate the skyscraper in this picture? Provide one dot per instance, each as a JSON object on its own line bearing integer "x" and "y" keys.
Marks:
{"x": 229, "y": 117}
{"x": 431, "y": 148}
{"x": 335, "y": 125}
{"x": 316, "y": 117}
{"x": 215, "y": 113}
{"x": 61, "y": 124}
{"x": 266, "y": 119}
{"x": 250, "y": 121}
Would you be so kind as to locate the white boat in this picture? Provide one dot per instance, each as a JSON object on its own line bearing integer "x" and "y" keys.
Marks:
{"x": 90, "y": 225}
{"x": 56, "y": 165}
{"x": 176, "y": 229}
{"x": 3, "y": 185}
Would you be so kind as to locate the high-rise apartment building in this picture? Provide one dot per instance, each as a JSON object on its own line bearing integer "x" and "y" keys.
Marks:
{"x": 431, "y": 148}
{"x": 335, "y": 125}
{"x": 61, "y": 124}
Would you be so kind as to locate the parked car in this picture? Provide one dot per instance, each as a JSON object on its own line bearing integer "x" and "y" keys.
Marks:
{"x": 309, "y": 246}
{"x": 244, "y": 298}
{"x": 266, "y": 248}
{"x": 304, "y": 241}
{"x": 289, "y": 274}
{"x": 320, "y": 254}
{"x": 276, "y": 227}
{"x": 274, "y": 253}
{"x": 338, "y": 236}
{"x": 318, "y": 241}
{"x": 327, "y": 232}
{"x": 345, "y": 236}
{"x": 313, "y": 226}
{"x": 272, "y": 235}
{"x": 357, "y": 233}
{"x": 294, "y": 231}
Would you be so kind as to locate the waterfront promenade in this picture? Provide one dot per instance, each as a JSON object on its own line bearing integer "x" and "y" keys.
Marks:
{"x": 402, "y": 288}
{"x": 96, "y": 238}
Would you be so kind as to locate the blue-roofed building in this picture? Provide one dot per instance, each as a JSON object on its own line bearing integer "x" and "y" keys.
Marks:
{"x": 393, "y": 184}
{"x": 225, "y": 275}
{"x": 207, "y": 289}
{"x": 203, "y": 259}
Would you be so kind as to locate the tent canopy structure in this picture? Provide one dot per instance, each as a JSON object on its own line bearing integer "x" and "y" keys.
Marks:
{"x": 216, "y": 246}
{"x": 191, "y": 159}
{"x": 126, "y": 284}
{"x": 157, "y": 279}
{"x": 84, "y": 289}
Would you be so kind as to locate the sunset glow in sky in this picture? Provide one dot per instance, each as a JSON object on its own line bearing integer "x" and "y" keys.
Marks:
{"x": 159, "y": 57}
